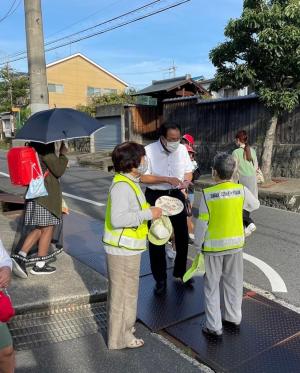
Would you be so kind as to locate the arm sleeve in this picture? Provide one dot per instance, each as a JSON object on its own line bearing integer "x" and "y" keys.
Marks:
{"x": 255, "y": 162}
{"x": 122, "y": 215}
{"x": 250, "y": 202}
{"x": 56, "y": 165}
{"x": 5, "y": 260}
{"x": 201, "y": 224}
{"x": 188, "y": 163}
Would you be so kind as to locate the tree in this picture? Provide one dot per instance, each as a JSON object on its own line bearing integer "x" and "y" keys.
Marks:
{"x": 107, "y": 99}
{"x": 262, "y": 50}
{"x": 14, "y": 88}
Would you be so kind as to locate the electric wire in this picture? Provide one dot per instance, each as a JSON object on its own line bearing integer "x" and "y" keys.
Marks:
{"x": 106, "y": 30}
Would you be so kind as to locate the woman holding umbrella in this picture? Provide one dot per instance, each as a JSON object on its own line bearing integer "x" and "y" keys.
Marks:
{"x": 43, "y": 213}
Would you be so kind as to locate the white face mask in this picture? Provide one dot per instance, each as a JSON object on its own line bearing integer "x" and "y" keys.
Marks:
{"x": 172, "y": 146}
{"x": 143, "y": 167}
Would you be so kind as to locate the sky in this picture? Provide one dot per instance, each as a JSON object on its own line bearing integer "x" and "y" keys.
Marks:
{"x": 137, "y": 53}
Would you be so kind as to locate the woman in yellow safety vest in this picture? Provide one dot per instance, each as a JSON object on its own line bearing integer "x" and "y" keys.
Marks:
{"x": 125, "y": 237}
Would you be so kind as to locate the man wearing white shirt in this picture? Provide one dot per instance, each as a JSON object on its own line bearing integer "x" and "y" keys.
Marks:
{"x": 169, "y": 168}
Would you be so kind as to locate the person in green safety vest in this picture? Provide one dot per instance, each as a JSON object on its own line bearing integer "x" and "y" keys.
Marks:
{"x": 219, "y": 233}
{"x": 125, "y": 239}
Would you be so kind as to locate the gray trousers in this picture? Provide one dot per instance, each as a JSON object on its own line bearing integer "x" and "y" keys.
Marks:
{"x": 123, "y": 277}
{"x": 229, "y": 269}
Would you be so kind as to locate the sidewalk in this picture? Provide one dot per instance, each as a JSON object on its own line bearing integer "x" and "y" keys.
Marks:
{"x": 57, "y": 329}
{"x": 283, "y": 194}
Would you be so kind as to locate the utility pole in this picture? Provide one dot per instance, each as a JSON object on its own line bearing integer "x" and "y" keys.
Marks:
{"x": 9, "y": 82}
{"x": 36, "y": 56}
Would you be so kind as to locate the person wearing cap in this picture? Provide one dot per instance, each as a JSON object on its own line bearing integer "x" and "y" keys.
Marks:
{"x": 219, "y": 233}
{"x": 169, "y": 171}
{"x": 191, "y": 188}
{"x": 125, "y": 236}
{"x": 188, "y": 139}
{"x": 7, "y": 356}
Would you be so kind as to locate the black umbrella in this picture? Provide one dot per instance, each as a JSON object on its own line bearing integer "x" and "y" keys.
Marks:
{"x": 58, "y": 124}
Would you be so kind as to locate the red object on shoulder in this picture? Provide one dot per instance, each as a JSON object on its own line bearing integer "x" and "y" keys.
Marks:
{"x": 189, "y": 138}
{"x": 7, "y": 310}
{"x": 23, "y": 165}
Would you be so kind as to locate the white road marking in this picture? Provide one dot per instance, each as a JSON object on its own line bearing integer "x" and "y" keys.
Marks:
{"x": 83, "y": 199}
{"x": 71, "y": 195}
{"x": 277, "y": 283}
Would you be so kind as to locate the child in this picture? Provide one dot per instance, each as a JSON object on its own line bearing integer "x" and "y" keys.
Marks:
{"x": 219, "y": 232}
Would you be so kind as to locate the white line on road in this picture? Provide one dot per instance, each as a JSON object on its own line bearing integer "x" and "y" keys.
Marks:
{"x": 72, "y": 196}
{"x": 83, "y": 199}
{"x": 277, "y": 283}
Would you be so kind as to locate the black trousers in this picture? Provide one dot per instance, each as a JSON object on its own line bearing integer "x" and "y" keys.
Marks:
{"x": 158, "y": 253}
{"x": 246, "y": 218}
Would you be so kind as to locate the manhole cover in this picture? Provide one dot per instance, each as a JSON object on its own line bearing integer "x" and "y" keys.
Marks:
{"x": 30, "y": 330}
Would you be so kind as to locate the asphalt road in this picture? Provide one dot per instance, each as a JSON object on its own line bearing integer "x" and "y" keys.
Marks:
{"x": 276, "y": 241}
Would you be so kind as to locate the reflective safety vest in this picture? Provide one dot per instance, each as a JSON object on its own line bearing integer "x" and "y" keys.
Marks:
{"x": 225, "y": 217}
{"x": 127, "y": 238}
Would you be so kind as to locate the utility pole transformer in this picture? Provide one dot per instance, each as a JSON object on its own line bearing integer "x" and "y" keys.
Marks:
{"x": 36, "y": 56}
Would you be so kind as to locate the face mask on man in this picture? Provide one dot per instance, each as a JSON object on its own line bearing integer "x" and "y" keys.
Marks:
{"x": 172, "y": 146}
{"x": 143, "y": 167}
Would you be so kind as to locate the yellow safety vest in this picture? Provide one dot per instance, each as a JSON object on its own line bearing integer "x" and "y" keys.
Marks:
{"x": 225, "y": 217}
{"x": 127, "y": 238}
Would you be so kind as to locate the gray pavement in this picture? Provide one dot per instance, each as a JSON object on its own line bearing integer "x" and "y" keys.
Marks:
{"x": 89, "y": 354}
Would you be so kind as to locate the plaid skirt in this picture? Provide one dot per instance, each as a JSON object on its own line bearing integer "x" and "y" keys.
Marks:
{"x": 38, "y": 215}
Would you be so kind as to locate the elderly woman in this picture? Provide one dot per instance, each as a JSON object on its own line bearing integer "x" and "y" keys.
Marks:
{"x": 247, "y": 165}
{"x": 219, "y": 233}
{"x": 7, "y": 357}
{"x": 125, "y": 235}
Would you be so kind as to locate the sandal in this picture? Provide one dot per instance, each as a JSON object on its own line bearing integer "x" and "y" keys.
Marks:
{"x": 136, "y": 343}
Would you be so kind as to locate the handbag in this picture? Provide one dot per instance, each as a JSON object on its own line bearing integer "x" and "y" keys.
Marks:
{"x": 37, "y": 187}
{"x": 7, "y": 310}
{"x": 259, "y": 176}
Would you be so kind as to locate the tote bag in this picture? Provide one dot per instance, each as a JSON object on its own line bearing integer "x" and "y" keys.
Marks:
{"x": 37, "y": 187}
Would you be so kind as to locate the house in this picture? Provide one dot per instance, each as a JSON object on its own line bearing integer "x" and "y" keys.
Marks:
{"x": 74, "y": 79}
{"x": 182, "y": 86}
{"x": 223, "y": 92}
{"x": 7, "y": 125}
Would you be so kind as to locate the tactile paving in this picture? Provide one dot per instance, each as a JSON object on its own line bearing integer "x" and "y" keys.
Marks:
{"x": 264, "y": 326}
{"x": 178, "y": 304}
{"x": 30, "y": 330}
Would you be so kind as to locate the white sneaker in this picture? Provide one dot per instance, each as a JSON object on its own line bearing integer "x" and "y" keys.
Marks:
{"x": 171, "y": 254}
{"x": 250, "y": 229}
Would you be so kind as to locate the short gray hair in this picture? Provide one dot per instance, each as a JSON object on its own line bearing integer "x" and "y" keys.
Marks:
{"x": 225, "y": 165}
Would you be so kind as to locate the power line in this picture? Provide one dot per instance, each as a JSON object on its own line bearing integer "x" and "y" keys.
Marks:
{"x": 94, "y": 26}
{"x": 11, "y": 10}
{"x": 83, "y": 19}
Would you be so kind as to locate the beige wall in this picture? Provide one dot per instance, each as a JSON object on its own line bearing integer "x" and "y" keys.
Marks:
{"x": 77, "y": 75}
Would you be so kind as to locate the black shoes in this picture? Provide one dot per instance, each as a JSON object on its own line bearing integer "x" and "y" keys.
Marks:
{"x": 231, "y": 324}
{"x": 19, "y": 266}
{"x": 46, "y": 270}
{"x": 212, "y": 333}
{"x": 188, "y": 284}
{"x": 160, "y": 288}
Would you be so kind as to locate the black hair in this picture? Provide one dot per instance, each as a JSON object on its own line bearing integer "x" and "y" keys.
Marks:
{"x": 42, "y": 149}
{"x": 166, "y": 126}
{"x": 127, "y": 156}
